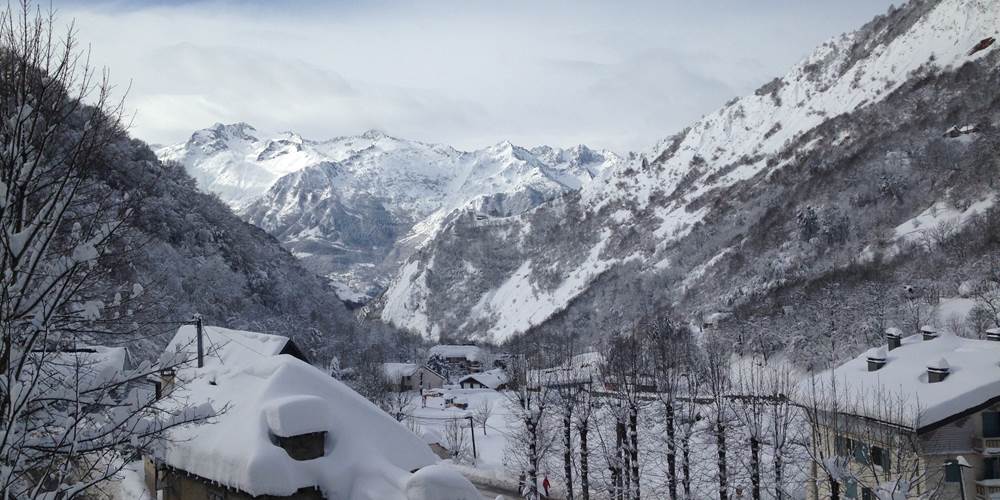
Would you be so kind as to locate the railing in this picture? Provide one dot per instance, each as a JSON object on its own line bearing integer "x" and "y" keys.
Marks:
{"x": 987, "y": 488}
{"x": 991, "y": 443}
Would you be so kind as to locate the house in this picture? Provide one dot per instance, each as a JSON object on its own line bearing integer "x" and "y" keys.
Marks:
{"x": 411, "y": 377}
{"x": 222, "y": 345}
{"x": 460, "y": 358}
{"x": 580, "y": 370}
{"x": 495, "y": 379}
{"x": 924, "y": 404}
{"x": 280, "y": 428}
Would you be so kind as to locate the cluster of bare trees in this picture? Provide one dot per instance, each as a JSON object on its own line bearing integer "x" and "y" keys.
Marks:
{"x": 667, "y": 411}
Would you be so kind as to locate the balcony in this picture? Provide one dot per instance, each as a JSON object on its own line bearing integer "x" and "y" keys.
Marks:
{"x": 988, "y": 489}
{"x": 988, "y": 445}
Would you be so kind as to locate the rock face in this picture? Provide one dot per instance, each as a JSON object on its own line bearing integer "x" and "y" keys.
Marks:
{"x": 809, "y": 175}
{"x": 352, "y": 208}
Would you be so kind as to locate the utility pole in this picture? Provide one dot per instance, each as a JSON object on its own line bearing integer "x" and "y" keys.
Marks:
{"x": 201, "y": 348}
{"x": 472, "y": 430}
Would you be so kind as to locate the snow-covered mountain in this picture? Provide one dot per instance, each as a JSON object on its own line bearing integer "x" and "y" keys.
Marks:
{"x": 721, "y": 214}
{"x": 353, "y": 207}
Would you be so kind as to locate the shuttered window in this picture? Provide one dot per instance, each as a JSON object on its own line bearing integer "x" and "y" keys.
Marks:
{"x": 851, "y": 489}
{"x": 952, "y": 473}
{"x": 991, "y": 424}
{"x": 880, "y": 457}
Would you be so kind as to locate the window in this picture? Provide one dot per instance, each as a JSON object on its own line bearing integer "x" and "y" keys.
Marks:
{"x": 840, "y": 444}
{"x": 991, "y": 468}
{"x": 850, "y": 489}
{"x": 991, "y": 424}
{"x": 880, "y": 457}
{"x": 866, "y": 494}
{"x": 952, "y": 473}
{"x": 216, "y": 495}
{"x": 860, "y": 452}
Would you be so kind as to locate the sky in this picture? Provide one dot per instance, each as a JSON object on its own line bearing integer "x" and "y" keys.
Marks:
{"x": 614, "y": 75}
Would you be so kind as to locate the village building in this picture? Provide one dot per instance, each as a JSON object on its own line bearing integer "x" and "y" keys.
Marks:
{"x": 495, "y": 379}
{"x": 278, "y": 428}
{"x": 923, "y": 409}
{"x": 404, "y": 377}
{"x": 460, "y": 358}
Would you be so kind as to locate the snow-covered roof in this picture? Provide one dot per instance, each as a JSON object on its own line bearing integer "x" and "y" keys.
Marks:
{"x": 469, "y": 352}
{"x": 492, "y": 378}
{"x": 368, "y": 455}
{"x": 223, "y": 346}
{"x": 82, "y": 368}
{"x": 396, "y": 371}
{"x": 899, "y": 392}
{"x": 584, "y": 367}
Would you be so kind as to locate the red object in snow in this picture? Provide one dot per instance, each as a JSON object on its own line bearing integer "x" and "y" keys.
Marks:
{"x": 545, "y": 485}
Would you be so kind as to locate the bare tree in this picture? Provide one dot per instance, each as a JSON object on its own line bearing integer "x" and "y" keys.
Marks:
{"x": 669, "y": 348}
{"x": 690, "y": 415}
{"x": 455, "y": 440}
{"x": 67, "y": 422}
{"x": 782, "y": 390}
{"x": 750, "y": 408}
{"x": 627, "y": 371}
{"x": 482, "y": 413}
{"x": 530, "y": 403}
{"x": 586, "y": 402}
{"x": 718, "y": 386}
{"x": 987, "y": 292}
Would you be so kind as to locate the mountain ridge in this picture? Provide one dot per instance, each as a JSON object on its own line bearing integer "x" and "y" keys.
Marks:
{"x": 352, "y": 207}
{"x": 652, "y": 221}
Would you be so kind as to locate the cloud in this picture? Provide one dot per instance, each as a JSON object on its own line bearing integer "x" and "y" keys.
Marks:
{"x": 461, "y": 73}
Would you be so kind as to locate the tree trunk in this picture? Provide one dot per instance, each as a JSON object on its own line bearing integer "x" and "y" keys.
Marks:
{"x": 584, "y": 461}
{"x": 620, "y": 459}
{"x": 532, "y": 492}
{"x": 568, "y": 452}
{"x": 633, "y": 429}
{"x": 834, "y": 489}
{"x": 671, "y": 453}
{"x": 720, "y": 443}
{"x": 779, "y": 475}
{"x": 686, "y": 466}
{"x": 754, "y": 468}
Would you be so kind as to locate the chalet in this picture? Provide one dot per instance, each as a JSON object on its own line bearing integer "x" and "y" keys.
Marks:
{"x": 923, "y": 409}
{"x": 278, "y": 428}
{"x": 460, "y": 358}
{"x": 495, "y": 379}
{"x": 411, "y": 377}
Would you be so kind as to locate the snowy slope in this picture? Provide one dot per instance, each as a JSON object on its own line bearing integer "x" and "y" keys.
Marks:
{"x": 629, "y": 219}
{"x": 353, "y": 207}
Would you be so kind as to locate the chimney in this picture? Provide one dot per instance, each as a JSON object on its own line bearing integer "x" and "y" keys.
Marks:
{"x": 876, "y": 358}
{"x": 929, "y": 332}
{"x": 894, "y": 337}
{"x": 993, "y": 334}
{"x": 166, "y": 383}
{"x": 938, "y": 371}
